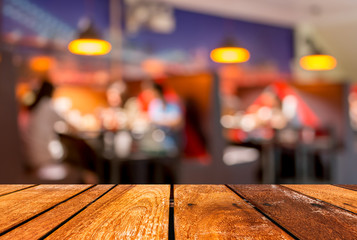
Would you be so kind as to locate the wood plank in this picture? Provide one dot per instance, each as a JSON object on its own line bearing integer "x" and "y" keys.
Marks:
{"x": 304, "y": 217}
{"x": 41, "y": 225}
{"x": 20, "y": 206}
{"x": 215, "y": 212}
{"x": 341, "y": 197}
{"x": 351, "y": 187}
{"x": 5, "y": 189}
{"x": 126, "y": 212}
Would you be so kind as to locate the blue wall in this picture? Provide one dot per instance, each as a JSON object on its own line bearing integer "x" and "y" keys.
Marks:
{"x": 193, "y": 30}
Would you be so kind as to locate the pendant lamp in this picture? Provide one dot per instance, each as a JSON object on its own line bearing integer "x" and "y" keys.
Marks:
{"x": 89, "y": 43}
{"x": 229, "y": 52}
{"x": 317, "y": 61}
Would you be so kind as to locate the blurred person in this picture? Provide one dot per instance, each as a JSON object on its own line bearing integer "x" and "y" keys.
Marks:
{"x": 138, "y": 121}
{"x": 116, "y": 135}
{"x": 166, "y": 116}
{"x": 41, "y": 140}
{"x": 164, "y": 110}
{"x": 44, "y": 148}
{"x": 114, "y": 117}
{"x": 146, "y": 95}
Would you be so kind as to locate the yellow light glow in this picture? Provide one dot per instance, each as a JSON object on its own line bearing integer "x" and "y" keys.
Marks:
{"x": 318, "y": 62}
{"x": 230, "y": 55}
{"x": 89, "y": 47}
{"x": 41, "y": 63}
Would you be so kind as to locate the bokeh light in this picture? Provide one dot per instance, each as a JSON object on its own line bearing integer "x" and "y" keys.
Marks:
{"x": 230, "y": 55}
{"x": 318, "y": 62}
{"x": 89, "y": 47}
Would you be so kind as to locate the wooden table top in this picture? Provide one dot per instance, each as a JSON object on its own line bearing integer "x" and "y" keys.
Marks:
{"x": 178, "y": 212}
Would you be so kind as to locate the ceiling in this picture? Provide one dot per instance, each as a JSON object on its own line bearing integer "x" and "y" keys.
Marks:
{"x": 276, "y": 12}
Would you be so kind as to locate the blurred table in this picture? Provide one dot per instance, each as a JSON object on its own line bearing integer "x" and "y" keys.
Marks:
{"x": 96, "y": 151}
{"x": 179, "y": 211}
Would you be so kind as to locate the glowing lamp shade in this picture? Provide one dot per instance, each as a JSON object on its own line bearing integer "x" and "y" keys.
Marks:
{"x": 89, "y": 46}
{"x": 230, "y": 55}
{"x": 88, "y": 41}
{"x": 318, "y": 62}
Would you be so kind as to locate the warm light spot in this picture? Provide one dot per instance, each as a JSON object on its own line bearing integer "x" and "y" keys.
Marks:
{"x": 290, "y": 105}
{"x": 318, "y": 62}
{"x": 89, "y": 47}
{"x": 239, "y": 155}
{"x": 227, "y": 121}
{"x": 154, "y": 67}
{"x": 230, "y": 55}
{"x": 41, "y": 63}
{"x": 248, "y": 122}
{"x": 56, "y": 149}
{"x": 265, "y": 113}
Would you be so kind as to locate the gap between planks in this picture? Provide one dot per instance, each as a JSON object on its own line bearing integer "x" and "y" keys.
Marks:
{"x": 261, "y": 212}
{"x": 18, "y": 190}
{"x": 171, "y": 233}
{"x": 320, "y": 199}
{"x": 44, "y": 211}
{"x": 78, "y": 212}
{"x": 216, "y": 212}
{"x": 346, "y": 186}
{"x": 311, "y": 219}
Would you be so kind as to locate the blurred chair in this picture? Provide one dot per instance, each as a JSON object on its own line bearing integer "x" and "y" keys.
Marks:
{"x": 80, "y": 156}
{"x": 286, "y": 154}
{"x": 304, "y": 155}
{"x": 320, "y": 154}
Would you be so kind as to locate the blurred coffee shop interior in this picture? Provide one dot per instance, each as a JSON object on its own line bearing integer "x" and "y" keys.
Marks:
{"x": 178, "y": 91}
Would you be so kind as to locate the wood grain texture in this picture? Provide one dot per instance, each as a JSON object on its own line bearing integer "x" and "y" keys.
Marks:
{"x": 215, "y": 212}
{"x": 341, "y": 197}
{"x": 20, "y": 206}
{"x": 351, "y": 187}
{"x": 304, "y": 217}
{"x": 44, "y": 223}
{"x": 125, "y": 212}
{"x": 5, "y": 189}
